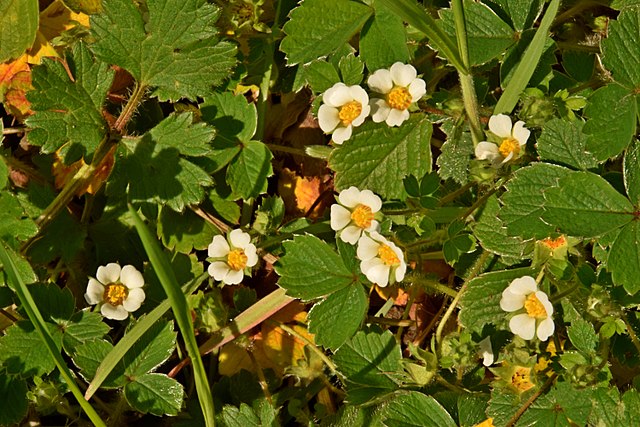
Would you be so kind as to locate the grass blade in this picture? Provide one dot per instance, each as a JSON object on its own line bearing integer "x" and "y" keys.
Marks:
{"x": 29, "y": 305}
{"x": 178, "y": 302}
{"x": 528, "y": 63}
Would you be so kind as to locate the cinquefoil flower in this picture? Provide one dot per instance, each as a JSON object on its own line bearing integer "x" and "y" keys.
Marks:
{"x": 400, "y": 87}
{"x": 354, "y": 213}
{"x": 523, "y": 295}
{"x": 382, "y": 261}
{"x": 232, "y": 257}
{"x": 512, "y": 139}
{"x": 344, "y": 107}
{"x": 117, "y": 290}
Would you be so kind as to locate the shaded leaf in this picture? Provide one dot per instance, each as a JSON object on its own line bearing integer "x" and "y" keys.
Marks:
{"x": 156, "y": 394}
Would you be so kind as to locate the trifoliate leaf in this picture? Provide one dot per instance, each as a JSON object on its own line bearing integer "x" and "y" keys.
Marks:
{"x": 156, "y": 394}
{"x": 68, "y": 108}
{"x": 13, "y": 395}
{"x": 337, "y": 318}
{"x": 416, "y": 409}
{"x": 14, "y": 223}
{"x": 248, "y": 172}
{"x": 64, "y": 238}
{"x": 585, "y": 204}
{"x": 621, "y": 48}
{"x": 21, "y": 350}
{"x": 169, "y": 44}
{"x": 150, "y": 351}
{"x": 383, "y": 40}
{"x": 185, "y": 231}
{"x": 562, "y": 406}
{"x": 234, "y": 118}
{"x": 631, "y": 167}
{"x": 82, "y": 327}
{"x": 18, "y": 26}
{"x": 378, "y": 157}
{"x": 453, "y": 161}
{"x": 311, "y": 269}
{"x": 319, "y": 27}
{"x": 624, "y": 258}
{"x": 563, "y": 142}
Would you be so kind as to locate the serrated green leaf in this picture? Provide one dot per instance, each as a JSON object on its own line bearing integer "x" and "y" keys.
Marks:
{"x": 239, "y": 417}
{"x": 351, "y": 69}
{"x": 631, "y": 168}
{"x": 562, "y": 406}
{"x": 89, "y": 355}
{"x": 13, "y": 399}
{"x": 21, "y": 350}
{"x": 563, "y": 142}
{"x": 612, "y": 121}
{"x": 319, "y": 27}
{"x": 320, "y": 75}
{"x": 68, "y": 108}
{"x": 607, "y": 409}
{"x": 480, "y": 304}
{"x": 378, "y": 157}
{"x": 234, "y": 118}
{"x": 583, "y": 336}
{"x": 248, "y": 172}
{"x": 155, "y": 394}
{"x": 622, "y": 4}
{"x": 488, "y": 35}
{"x": 18, "y": 26}
{"x": 523, "y": 13}
{"x": 621, "y": 48}
{"x": 416, "y": 409}
{"x": 335, "y": 320}
{"x": 15, "y": 225}
{"x": 53, "y": 301}
{"x": 624, "y": 258}
{"x": 370, "y": 359}
{"x": 383, "y": 40}
{"x": 472, "y": 408}
{"x": 311, "y": 269}
{"x": 150, "y": 351}
{"x": 185, "y": 231}
{"x": 453, "y": 161}
{"x": 523, "y": 200}
{"x": 64, "y": 239}
{"x": 82, "y": 327}
{"x": 170, "y": 45}
{"x": 585, "y": 204}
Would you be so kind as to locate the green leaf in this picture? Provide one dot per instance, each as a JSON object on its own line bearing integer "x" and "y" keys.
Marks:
{"x": 612, "y": 121}
{"x": 239, "y": 417}
{"x": 53, "y": 301}
{"x": 378, "y": 157}
{"x": 351, "y": 69}
{"x": 15, "y": 225}
{"x": 563, "y": 142}
{"x": 562, "y": 406}
{"x": 622, "y": 4}
{"x": 318, "y": 27}
{"x": 383, "y": 40}
{"x": 311, "y": 269}
{"x": 543, "y": 69}
{"x": 624, "y": 258}
{"x": 155, "y": 394}
{"x": 337, "y": 318}
{"x": 631, "y": 168}
{"x": 89, "y": 355}
{"x": 585, "y": 204}
{"x": 523, "y": 200}
{"x": 150, "y": 351}
{"x": 453, "y": 161}
{"x": 472, "y": 408}
{"x": 248, "y": 172}
{"x": 64, "y": 238}
{"x": 82, "y": 327}
{"x": 185, "y": 231}
{"x": 170, "y": 45}
{"x": 621, "y": 48}
{"x": 68, "y": 108}
{"x": 370, "y": 359}
{"x": 234, "y": 118}
{"x": 320, "y": 75}
{"x": 416, "y": 409}
{"x": 13, "y": 399}
{"x": 21, "y": 350}
{"x": 607, "y": 409}
{"x": 583, "y": 336}
{"x": 488, "y": 36}
{"x": 480, "y": 304}
{"x": 523, "y": 13}
{"x": 18, "y": 26}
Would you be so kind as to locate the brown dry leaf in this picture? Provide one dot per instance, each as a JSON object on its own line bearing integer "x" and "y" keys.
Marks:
{"x": 232, "y": 359}
{"x": 300, "y": 193}
{"x": 64, "y": 173}
{"x": 15, "y": 81}
{"x": 399, "y": 296}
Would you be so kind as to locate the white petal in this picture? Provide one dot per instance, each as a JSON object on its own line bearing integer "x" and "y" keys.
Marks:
{"x": 367, "y": 248}
{"x": 252, "y": 254}
{"x": 368, "y": 198}
{"x": 351, "y": 234}
{"x": 380, "y": 81}
{"x": 131, "y": 278}
{"x": 417, "y": 89}
{"x": 329, "y": 96}
{"x": 545, "y": 329}
{"x": 487, "y": 151}
{"x": 349, "y": 197}
{"x": 511, "y": 302}
{"x": 359, "y": 94}
{"x": 500, "y": 125}
{"x": 401, "y": 271}
{"x": 403, "y": 74}
{"x": 233, "y": 277}
{"x": 341, "y": 134}
{"x": 219, "y": 247}
{"x": 397, "y": 117}
{"x": 375, "y": 226}
{"x": 509, "y": 157}
{"x": 378, "y": 274}
{"x": 134, "y": 300}
{"x": 366, "y": 109}
{"x": 328, "y": 118}
{"x": 520, "y": 132}
{"x": 95, "y": 292}
{"x": 486, "y": 351}
{"x": 523, "y": 325}
{"x": 114, "y": 312}
{"x": 544, "y": 300}
{"x": 340, "y": 217}
{"x": 524, "y": 285}
{"x": 218, "y": 270}
{"x": 109, "y": 273}
{"x": 379, "y": 110}
{"x": 239, "y": 239}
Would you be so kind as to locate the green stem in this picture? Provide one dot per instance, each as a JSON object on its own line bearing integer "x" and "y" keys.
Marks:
{"x": 290, "y": 150}
{"x": 435, "y": 285}
{"x": 454, "y": 195}
{"x": 632, "y": 333}
{"x": 247, "y": 212}
{"x": 130, "y": 107}
{"x": 461, "y": 31}
{"x": 471, "y": 107}
{"x": 479, "y": 203}
{"x": 14, "y": 130}
{"x": 432, "y": 255}
{"x": 530, "y": 401}
{"x": 557, "y": 297}
{"x": 311, "y": 346}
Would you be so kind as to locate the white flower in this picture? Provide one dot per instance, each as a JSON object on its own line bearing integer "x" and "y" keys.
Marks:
{"x": 536, "y": 319}
{"x": 400, "y": 88}
{"x": 231, "y": 257}
{"x": 344, "y": 107}
{"x": 117, "y": 290}
{"x": 382, "y": 261}
{"x": 486, "y": 351}
{"x": 512, "y": 141}
{"x": 354, "y": 213}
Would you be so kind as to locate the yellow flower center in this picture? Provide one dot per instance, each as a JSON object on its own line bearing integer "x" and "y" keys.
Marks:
{"x": 486, "y": 423}
{"x": 521, "y": 379}
{"x": 554, "y": 243}
{"x": 115, "y": 293}
{"x": 362, "y": 216}
{"x": 237, "y": 260}
{"x": 508, "y": 146}
{"x": 388, "y": 256}
{"x": 399, "y": 98}
{"x": 349, "y": 112}
{"x": 534, "y": 307}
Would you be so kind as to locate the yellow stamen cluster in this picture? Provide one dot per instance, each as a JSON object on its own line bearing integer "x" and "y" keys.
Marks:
{"x": 554, "y": 243}
{"x": 388, "y": 256}
{"x": 534, "y": 307}
{"x": 508, "y": 146}
{"x": 237, "y": 260}
{"x": 115, "y": 293}
{"x": 349, "y": 112}
{"x": 399, "y": 98}
{"x": 362, "y": 216}
{"x": 521, "y": 379}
